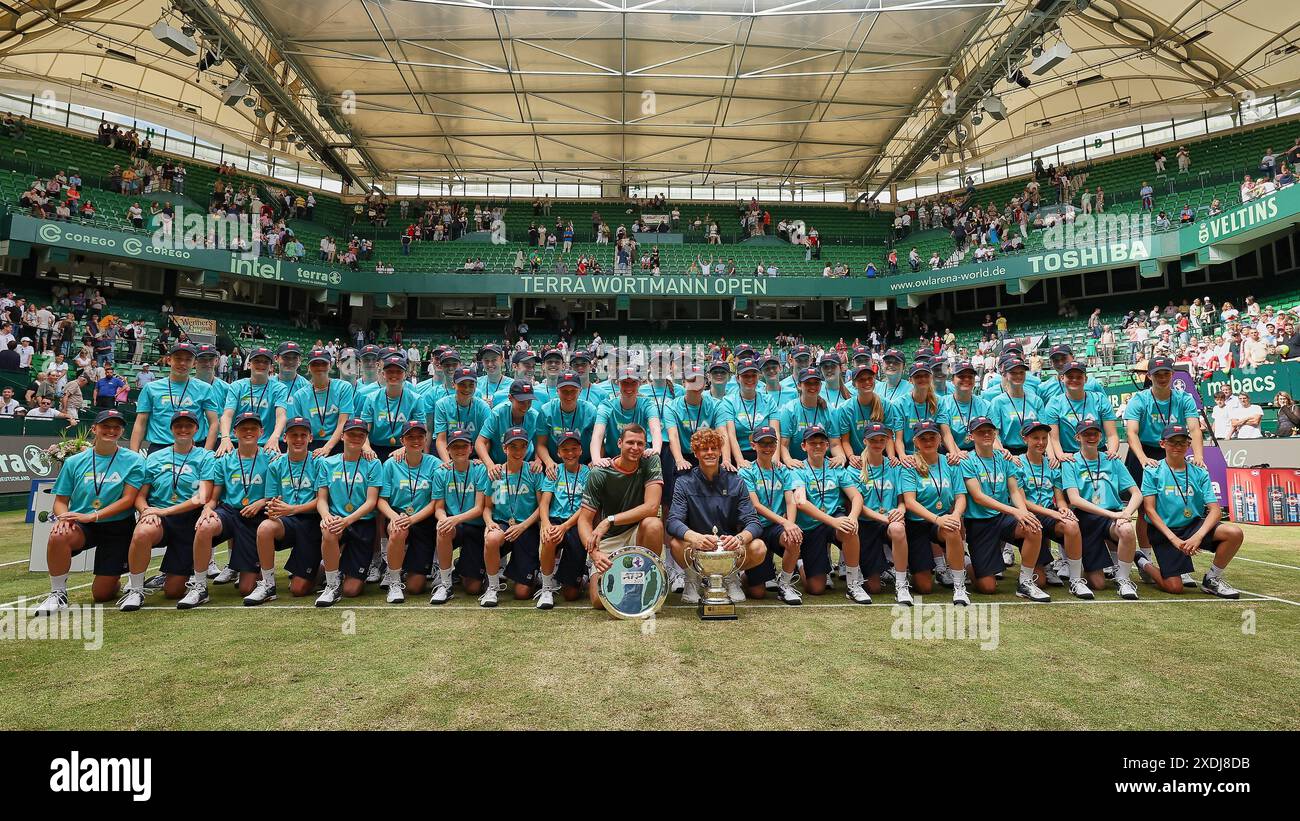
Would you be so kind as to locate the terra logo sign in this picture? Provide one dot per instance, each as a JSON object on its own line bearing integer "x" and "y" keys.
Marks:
{"x": 37, "y": 460}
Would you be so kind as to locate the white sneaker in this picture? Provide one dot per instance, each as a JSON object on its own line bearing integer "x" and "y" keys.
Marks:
{"x": 261, "y": 594}
{"x": 943, "y": 577}
{"x": 1049, "y": 574}
{"x": 903, "y": 594}
{"x": 1030, "y": 590}
{"x": 960, "y": 597}
{"x": 1080, "y": 590}
{"x": 842, "y": 570}
{"x": 226, "y": 576}
{"x": 1189, "y": 581}
{"x": 376, "y": 571}
{"x": 489, "y": 597}
{"x": 855, "y": 590}
{"x": 196, "y": 593}
{"x": 1109, "y": 572}
{"x": 440, "y": 594}
{"x": 676, "y": 581}
{"x": 213, "y": 570}
{"x": 691, "y": 594}
{"x": 734, "y": 591}
{"x": 57, "y": 600}
{"x": 1008, "y": 554}
{"x": 788, "y": 594}
{"x": 131, "y": 601}
{"x": 155, "y": 582}
{"x": 545, "y": 598}
{"x": 395, "y": 588}
{"x": 329, "y": 596}
{"x": 1219, "y": 587}
{"x": 1127, "y": 589}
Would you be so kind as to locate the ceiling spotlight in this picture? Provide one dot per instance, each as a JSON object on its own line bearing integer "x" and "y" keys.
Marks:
{"x": 1018, "y": 77}
{"x": 1082, "y": 5}
{"x": 259, "y": 112}
{"x": 188, "y": 29}
{"x": 976, "y": 118}
{"x": 249, "y": 102}
{"x": 994, "y": 107}
{"x": 300, "y": 145}
{"x": 1036, "y": 51}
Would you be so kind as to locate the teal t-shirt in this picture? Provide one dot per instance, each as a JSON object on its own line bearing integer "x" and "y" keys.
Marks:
{"x": 566, "y": 491}
{"x": 554, "y": 420}
{"x": 323, "y": 407}
{"x": 936, "y": 492}
{"x": 294, "y": 482}
{"x": 457, "y": 488}
{"x": 779, "y": 398}
{"x": 500, "y": 420}
{"x": 1053, "y": 386}
{"x": 173, "y": 478}
{"x": 770, "y": 485}
{"x": 491, "y": 390}
{"x": 746, "y": 415}
{"x": 908, "y": 412}
{"x": 597, "y": 394}
{"x": 1010, "y": 415}
{"x": 87, "y": 476}
{"x": 1067, "y": 413}
{"x": 514, "y": 495}
{"x": 1039, "y": 482}
{"x": 245, "y": 397}
{"x": 364, "y": 390}
{"x": 852, "y": 418}
{"x": 1152, "y": 414}
{"x": 992, "y": 474}
{"x": 689, "y": 418}
{"x": 161, "y": 399}
{"x": 1100, "y": 481}
{"x": 449, "y": 415}
{"x": 388, "y": 415}
{"x": 615, "y": 417}
{"x": 824, "y": 488}
{"x": 407, "y": 488}
{"x": 795, "y": 417}
{"x": 959, "y": 415}
{"x": 879, "y": 486}
{"x": 348, "y": 482}
{"x": 239, "y": 478}
{"x": 1179, "y": 491}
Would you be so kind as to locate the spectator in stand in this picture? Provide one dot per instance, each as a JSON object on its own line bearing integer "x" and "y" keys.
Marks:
{"x": 1148, "y": 196}
{"x": 1184, "y": 160}
{"x": 107, "y": 388}
{"x": 1244, "y": 420}
{"x": 1288, "y": 414}
{"x": 145, "y": 376}
{"x": 9, "y": 358}
{"x": 1160, "y": 161}
{"x": 10, "y": 407}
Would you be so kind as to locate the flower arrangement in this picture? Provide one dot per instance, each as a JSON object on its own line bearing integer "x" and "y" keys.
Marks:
{"x": 66, "y": 448}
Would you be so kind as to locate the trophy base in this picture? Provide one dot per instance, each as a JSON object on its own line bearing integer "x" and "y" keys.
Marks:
{"x": 716, "y": 611}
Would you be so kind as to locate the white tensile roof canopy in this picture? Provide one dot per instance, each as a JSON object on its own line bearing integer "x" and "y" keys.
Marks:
{"x": 644, "y": 91}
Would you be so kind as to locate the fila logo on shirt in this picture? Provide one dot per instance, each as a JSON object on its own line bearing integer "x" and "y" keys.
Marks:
{"x": 879, "y": 484}
{"x": 300, "y": 483}
{"x": 397, "y": 418}
{"x": 236, "y": 479}
{"x": 112, "y": 478}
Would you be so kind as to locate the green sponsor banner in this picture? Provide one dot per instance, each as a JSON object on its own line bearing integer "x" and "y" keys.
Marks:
{"x": 1257, "y": 216}
{"x": 1261, "y": 382}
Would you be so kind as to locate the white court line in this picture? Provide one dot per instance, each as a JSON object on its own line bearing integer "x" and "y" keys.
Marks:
{"x": 1260, "y": 561}
{"x": 428, "y": 608}
{"x": 10, "y": 604}
{"x": 25, "y": 561}
{"x": 1270, "y": 598}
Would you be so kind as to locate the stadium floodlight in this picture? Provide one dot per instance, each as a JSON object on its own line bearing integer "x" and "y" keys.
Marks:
{"x": 1051, "y": 58}
{"x": 994, "y": 108}
{"x": 235, "y": 91}
{"x": 175, "y": 39}
{"x": 977, "y": 118}
{"x": 1018, "y": 77}
{"x": 1036, "y": 51}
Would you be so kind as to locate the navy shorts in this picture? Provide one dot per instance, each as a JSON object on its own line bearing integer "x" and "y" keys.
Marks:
{"x": 571, "y": 565}
{"x": 112, "y": 543}
{"x": 816, "y": 550}
{"x": 1134, "y": 465}
{"x": 320, "y": 443}
{"x": 1094, "y": 529}
{"x": 469, "y": 562}
{"x": 920, "y": 536}
{"x": 1171, "y": 560}
{"x": 154, "y": 447}
{"x": 421, "y": 548}
{"x": 765, "y": 570}
{"x": 178, "y": 537}
{"x": 1049, "y": 535}
{"x": 984, "y": 538}
{"x": 356, "y": 548}
{"x": 302, "y": 539}
{"x": 524, "y": 562}
{"x": 877, "y": 551}
{"x": 241, "y": 532}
